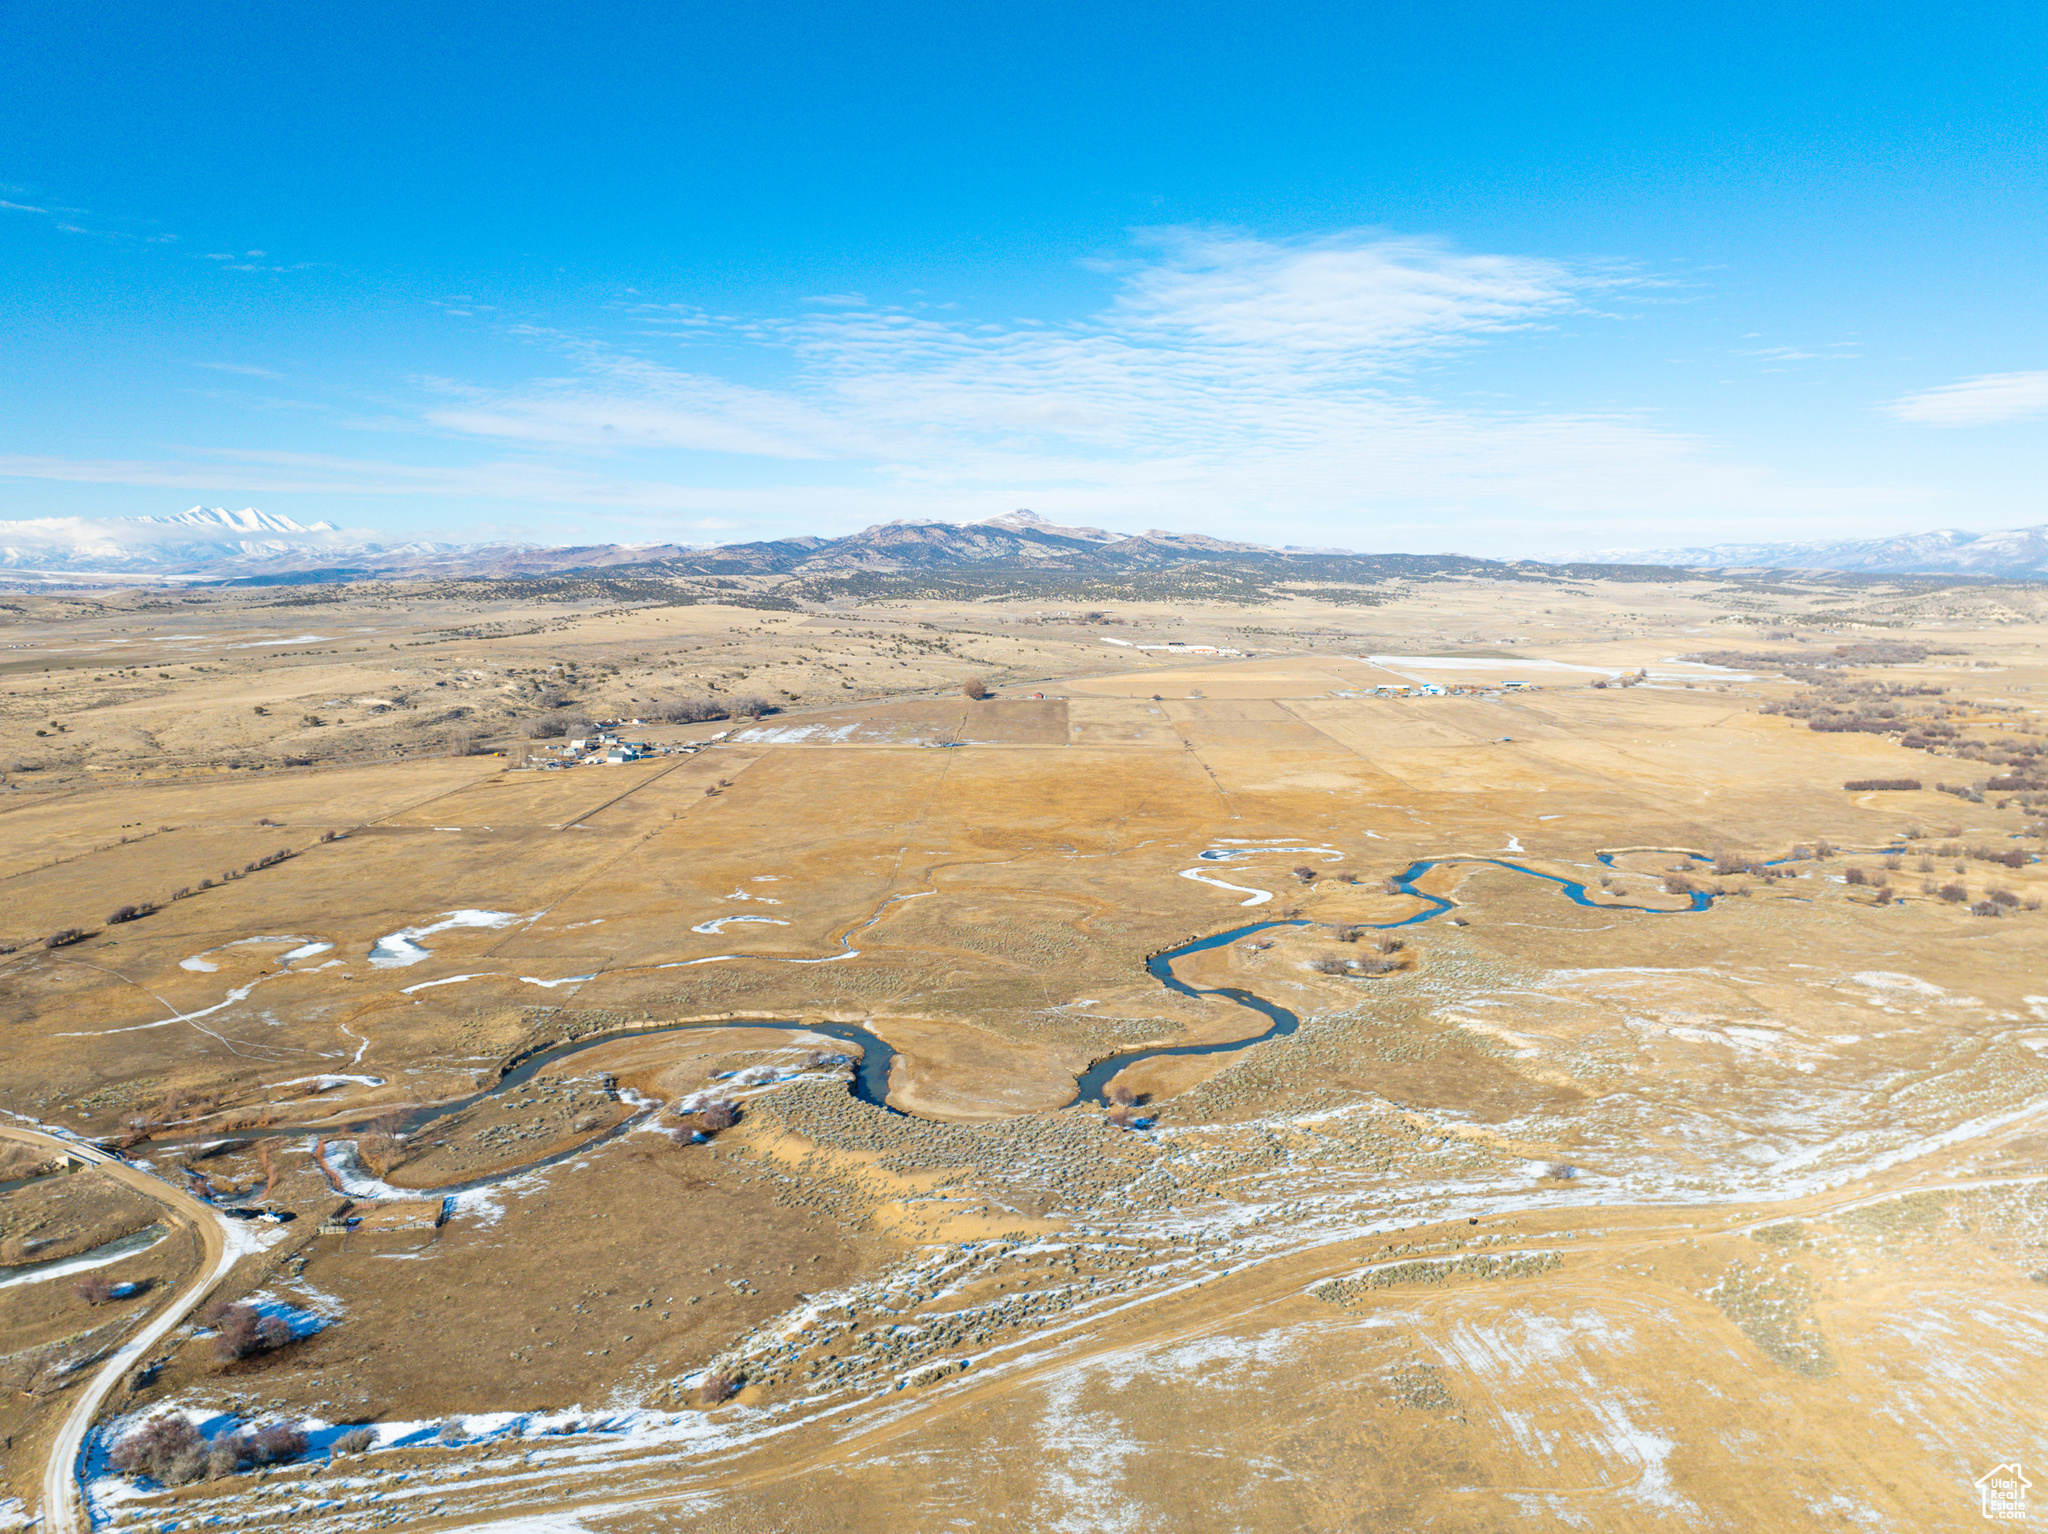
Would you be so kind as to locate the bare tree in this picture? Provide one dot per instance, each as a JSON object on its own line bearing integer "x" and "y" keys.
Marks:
{"x": 717, "y": 1387}
{"x": 235, "y": 1331}
{"x": 719, "y": 1115}
{"x": 165, "y": 1448}
{"x": 93, "y": 1290}
{"x": 65, "y": 937}
{"x": 277, "y": 1442}
{"x": 1305, "y": 874}
{"x": 382, "y": 1147}
{"x": 687, "y": 711}
{"x": 224, "y": 1456}
{"x": 975, "y": 687}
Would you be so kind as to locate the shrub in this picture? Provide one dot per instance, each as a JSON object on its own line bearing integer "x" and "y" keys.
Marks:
{"x": 1305, "y": 874}
{"x": 1123, "y": 1097}
{"x": 244, "y": 1331}
{"x": 719, "y": 1115}
{"x": 276, "y": 1443}
{"x": 129, "y": 913}
{"x": 94, "y": 1290}
{"x": 357, "y": 1440}
{"x": 717, "y": 1387}
{"x": 975, "y": 687}
{"x": 235, "y": 1335}
{"x": 66, "y": 937}
{"x": 225, "y": 1455}
{"x": 1896, "y": 785}
{"x": 166, "y": 1449}
{"x": 1955, "y": 894}
{"x": 1388, "y": 943}
{"x": 2002, "y": 897}
{"x": 1329, "y": 966}
{"x": 1987, "y": 908}
{"x": 1854, "y": 876}
{"x": 1884, "y": 896}
{"x": 749, "y": 706}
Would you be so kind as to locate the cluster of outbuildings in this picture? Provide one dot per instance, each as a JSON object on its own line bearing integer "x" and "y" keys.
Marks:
{"x": 1438, "y": 690}
{"x": 608, "y": 749}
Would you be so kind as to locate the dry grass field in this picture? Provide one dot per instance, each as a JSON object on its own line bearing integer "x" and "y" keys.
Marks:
{"x": 1675, "y": 1163}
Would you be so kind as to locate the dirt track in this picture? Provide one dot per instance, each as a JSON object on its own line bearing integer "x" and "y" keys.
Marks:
{"x": 62, "y": 1511}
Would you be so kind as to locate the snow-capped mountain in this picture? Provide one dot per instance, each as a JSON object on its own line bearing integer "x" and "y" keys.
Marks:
{"x": 2018, "y": 553}
{"x": 203, "y": 539}
{"x": 247, "y": 520}
{"x": 211, "y": 544}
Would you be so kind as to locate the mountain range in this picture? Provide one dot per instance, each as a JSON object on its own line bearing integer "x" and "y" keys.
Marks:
{"x": 208, "y": 545}
{"x": 2016, "y": 553}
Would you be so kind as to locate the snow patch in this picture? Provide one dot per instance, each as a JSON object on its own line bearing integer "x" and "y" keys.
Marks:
{"x": 716, "y": 926}
{"x": 400, "y": 948}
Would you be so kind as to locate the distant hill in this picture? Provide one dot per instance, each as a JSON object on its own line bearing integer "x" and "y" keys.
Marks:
{"x": 2019, "y": 553}
{"x": 212, "y": 543}
{"x": 1017, "y": 552}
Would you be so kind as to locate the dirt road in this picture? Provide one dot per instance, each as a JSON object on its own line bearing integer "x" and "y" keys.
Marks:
{"x": 63, "y": 1506}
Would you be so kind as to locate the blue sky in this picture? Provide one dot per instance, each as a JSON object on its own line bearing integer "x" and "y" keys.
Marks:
{"x": 1499, "y": 279}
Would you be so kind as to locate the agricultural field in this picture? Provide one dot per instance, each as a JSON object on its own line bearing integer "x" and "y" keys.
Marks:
{"x": 1522, "y": 1050}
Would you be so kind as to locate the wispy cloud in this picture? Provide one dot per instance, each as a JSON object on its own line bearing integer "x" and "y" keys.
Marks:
{"x": 1224, "y": 381}
{"x": 238, "y": 367}
{"x": 1226, "y": 376}
{"x": 1981, "y": 401}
